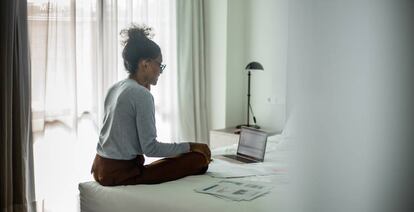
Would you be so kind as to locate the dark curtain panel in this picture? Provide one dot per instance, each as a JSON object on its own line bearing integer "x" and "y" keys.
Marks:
{"x": 16, "y": 153}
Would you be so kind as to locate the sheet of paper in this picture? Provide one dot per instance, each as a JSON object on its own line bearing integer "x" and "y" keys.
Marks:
{"x": 236, "y": 190}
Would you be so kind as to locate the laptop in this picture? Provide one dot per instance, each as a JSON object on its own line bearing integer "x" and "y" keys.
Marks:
{"x": 251, "y": 147}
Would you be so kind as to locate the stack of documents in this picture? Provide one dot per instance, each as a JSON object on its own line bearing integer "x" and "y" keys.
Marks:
{"x": 236, "y": 190}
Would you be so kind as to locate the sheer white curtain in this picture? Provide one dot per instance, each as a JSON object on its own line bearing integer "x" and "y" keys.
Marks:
{"x": 77, "y": 56}
{"x": 192, "y": 91}
{"x": 65, "y": 60}
{"x": 161, "y": 16}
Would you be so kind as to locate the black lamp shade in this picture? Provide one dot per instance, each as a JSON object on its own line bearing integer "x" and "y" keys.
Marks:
{"x": 254, "y": 66}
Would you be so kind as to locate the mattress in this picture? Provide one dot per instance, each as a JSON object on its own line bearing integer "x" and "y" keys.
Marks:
{"x": 180, "y": 196}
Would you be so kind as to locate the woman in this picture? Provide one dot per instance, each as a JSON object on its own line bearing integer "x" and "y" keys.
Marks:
{"x": 129, "y": 131}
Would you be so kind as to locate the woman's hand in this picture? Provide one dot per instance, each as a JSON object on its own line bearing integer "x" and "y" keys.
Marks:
{"x": 201, "y": 148}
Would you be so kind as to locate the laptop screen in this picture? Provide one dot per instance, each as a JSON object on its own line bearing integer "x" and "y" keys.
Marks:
{"x": 252, "y": 143}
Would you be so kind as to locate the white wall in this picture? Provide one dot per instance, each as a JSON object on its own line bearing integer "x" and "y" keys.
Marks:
{"x": 236, "y": 51}
{"x": 238, "y": 32}
{"x": 266, "y": 40}
{"x": 216, "y": 64}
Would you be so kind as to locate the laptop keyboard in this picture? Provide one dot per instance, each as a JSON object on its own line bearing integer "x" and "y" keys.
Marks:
{"x": 242, "y": 159}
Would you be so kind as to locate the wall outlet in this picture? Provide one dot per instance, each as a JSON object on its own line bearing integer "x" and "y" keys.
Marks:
{"x": 272, "y": 100}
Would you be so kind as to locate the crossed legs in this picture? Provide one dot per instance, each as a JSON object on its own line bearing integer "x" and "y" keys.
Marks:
{"x": 110, "y": 172}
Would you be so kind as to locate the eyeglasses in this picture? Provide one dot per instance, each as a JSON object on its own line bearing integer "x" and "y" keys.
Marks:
{"x": 162, "y": 66}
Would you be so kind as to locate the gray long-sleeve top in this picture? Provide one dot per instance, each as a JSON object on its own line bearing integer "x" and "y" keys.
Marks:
{"x": 129, "y": 125}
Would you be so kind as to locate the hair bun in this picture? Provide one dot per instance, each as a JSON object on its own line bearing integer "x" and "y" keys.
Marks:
{"x": 136, "y": 32}
{"x": 138, "y": 45}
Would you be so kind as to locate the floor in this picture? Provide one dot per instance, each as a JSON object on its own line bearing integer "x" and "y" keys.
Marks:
{"x": 63, "y": 159}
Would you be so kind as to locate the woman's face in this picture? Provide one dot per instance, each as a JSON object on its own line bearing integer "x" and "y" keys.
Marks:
{"x": 155, "y": 70}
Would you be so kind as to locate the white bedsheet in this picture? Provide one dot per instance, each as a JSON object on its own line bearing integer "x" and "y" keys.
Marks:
{"x": 180, "y": 196}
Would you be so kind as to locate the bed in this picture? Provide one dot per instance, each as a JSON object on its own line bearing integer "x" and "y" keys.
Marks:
{"x": 180, "y": 196}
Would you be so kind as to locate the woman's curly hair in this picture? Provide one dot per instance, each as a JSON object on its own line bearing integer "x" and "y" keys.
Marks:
{"x": 138, "y": 45}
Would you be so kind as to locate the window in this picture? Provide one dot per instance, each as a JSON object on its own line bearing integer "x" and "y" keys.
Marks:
{"x": 75, "y": 58}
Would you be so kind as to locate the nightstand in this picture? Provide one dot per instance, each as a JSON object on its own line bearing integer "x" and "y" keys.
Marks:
{"x": 223, "y": 137}
{"x": 226, "y": 136}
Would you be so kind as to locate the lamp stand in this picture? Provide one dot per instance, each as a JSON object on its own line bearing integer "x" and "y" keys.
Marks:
{"x": 248, "y": 106}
